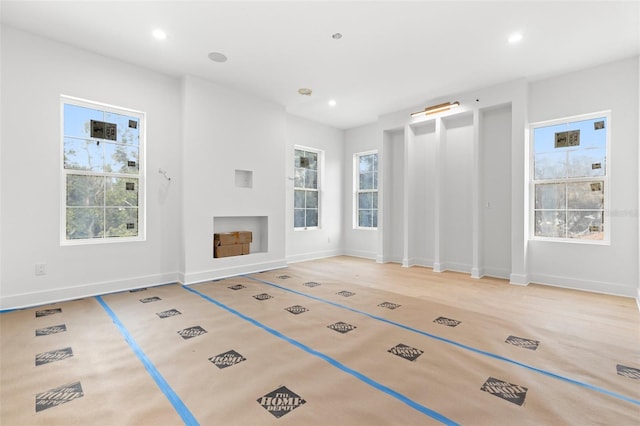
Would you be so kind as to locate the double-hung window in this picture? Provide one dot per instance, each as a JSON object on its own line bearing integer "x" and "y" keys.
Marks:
{"x": 366, "y": 183}
{"x": 569, "y": 179}
{"x": 102, "y": 173}
{"x": 306, "y": 188}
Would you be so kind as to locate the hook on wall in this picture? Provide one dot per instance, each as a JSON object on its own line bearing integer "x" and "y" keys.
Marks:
{"x": 164, "y": 173}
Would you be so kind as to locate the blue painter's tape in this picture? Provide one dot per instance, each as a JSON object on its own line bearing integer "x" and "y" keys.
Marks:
{"x": 175, "y": 400}
{"x": 457, "y": 344}
{"x": 421, "y": 408}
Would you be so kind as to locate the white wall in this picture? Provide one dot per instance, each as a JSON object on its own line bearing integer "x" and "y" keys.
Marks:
{"x": 35, "y": 72}
{"x": 223, "y": 131}
{"x": 358, "y": 242}
{"x": 612, "y": 268}
{"x": 327, "y": 239}
{"x": 495, "y": 173}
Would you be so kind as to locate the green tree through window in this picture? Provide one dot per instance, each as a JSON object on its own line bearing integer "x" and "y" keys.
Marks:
{"x": 102, "y": 172}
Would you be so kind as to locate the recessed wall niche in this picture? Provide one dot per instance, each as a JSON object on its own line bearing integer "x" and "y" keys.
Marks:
{"x": 257, "y": 225}
{"x": 244, "y": 178}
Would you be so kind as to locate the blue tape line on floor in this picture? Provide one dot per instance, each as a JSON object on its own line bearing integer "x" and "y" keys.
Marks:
{"x": 175, "y": 400}
{"x": 429, "y": 412}
{"x": 457, "y": 344}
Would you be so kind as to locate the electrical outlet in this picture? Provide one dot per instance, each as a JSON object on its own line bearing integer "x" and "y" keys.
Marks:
{"x": 41, "y": 269}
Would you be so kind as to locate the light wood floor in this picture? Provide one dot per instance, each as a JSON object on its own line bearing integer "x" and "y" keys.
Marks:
{"x": 600, "y": 316}
{"x": 336, "y": 341}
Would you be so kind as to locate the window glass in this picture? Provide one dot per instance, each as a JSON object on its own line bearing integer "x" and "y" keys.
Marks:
{"x": 569, "y": 178}
{"x": 102, "y": 172}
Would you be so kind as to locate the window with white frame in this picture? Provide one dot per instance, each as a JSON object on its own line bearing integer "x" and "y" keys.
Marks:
{"x": 306, "y": 188}
{"x": 569, "y": 179}
{"x": 102, "y": 173}
{"x": 366, "y": 185}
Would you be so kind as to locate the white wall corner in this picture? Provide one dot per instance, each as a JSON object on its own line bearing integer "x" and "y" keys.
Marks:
{"x": 519, "y": 279}
{"x": 477, "y": 273}
{"x": 439, "y": 267}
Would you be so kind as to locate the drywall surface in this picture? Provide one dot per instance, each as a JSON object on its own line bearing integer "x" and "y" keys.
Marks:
{"x": 224, "y": 131}
{"x": 495, "y": 161}
{"x": 604, "y": 268}
{"x": 35, "y": 72}
{"x": 359, "y": 242}
{"x": 326, "y": 240}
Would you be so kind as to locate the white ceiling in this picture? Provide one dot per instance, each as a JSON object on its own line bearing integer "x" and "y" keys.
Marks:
{"x": 393, "y": 54}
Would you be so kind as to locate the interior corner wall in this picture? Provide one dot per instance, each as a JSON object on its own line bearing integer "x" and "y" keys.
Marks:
{"x": 224, "y": 130}
{"x": 603, "y": 268}
{"x": 326, "y": 240}
{"x": 35, "y": 72}
{"x": 358, "y": 242}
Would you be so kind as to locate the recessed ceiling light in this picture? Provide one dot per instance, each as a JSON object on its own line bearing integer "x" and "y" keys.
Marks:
{"x": 158, "y": 34}
{"x": 332, "y": 102}
{"x": 304, "y": 91}
{"x": 336, "y": 36}
{"x": 217, "y": 57}
{"x": 515, "y": 37}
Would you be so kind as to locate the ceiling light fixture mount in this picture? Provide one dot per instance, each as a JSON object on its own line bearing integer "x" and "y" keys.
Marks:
{"x": 436, "y": 108}
{"x": 336, "y": 36}
{"x": 515, "y": 38}
{"x": 217, "y": 57}
{"x": 158, "y": 34}
{"x": 304, "y": 91}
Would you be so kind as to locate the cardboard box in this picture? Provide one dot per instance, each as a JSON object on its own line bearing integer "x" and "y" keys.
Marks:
{"x": 229, "y": 238}
{"x": 231, "y": 250}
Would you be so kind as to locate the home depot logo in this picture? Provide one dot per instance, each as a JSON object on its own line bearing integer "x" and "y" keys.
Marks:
{"x": 281, "y": 401}
{"x": 150, "y": 299}
{"x": 52, "y": 356}
{"x": 406, "y": 352}
{"x": 389, "y": 305}
{"x": 227, "y": 359}
{"x": 311, "y": 284}
{"x": 263, "y": 296}
{"x": 342, "y": 327}
{"x": 522, "y": 342}
{"x": 190, "y": 332}
{"x": 296, "y": 309}
{"x": 47, "y": 312}
{"x": 345, "y": 293}
{"x": 446, "y": 321}
{"x": 51, "y": 330}
{"x": 505, "y": 390}
{"x": 57, "y": 396}
{"x": 630, "y": 372}
{"x": 236, "y": 287}
{"x": 169, "y": 313}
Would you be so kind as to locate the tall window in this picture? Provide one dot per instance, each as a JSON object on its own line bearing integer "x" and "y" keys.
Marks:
{"x": 569, "y": 182}
{"x": 366, "y": 199}
{"x": 306, "y": 191}
{"x": 102, "y": 173}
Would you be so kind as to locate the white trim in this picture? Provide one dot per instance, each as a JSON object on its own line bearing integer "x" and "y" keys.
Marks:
{"x": 314, "y": 255}
{"x": 606, "y": 225}
{"x": 140, "y": 176}
{"x": 215, "y": 274}
{"x": 583, "y": 285}
{"x": 37, "y": 298}
{"x": 356, "y": 189}
{"x": 318, "y": 189}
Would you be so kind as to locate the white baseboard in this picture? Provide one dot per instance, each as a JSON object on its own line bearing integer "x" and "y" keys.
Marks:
{"x": 215, "y": 274}
{"x": 585, "y": 285}
{"x": 38, "y": 298}
{"x": 315, "y": 255}
{"x": 519, "y": 279}
{"x": 452, "y": 266}
{"x": 638, "y": 299}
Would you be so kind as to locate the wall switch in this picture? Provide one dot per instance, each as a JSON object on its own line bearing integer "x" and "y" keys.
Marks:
{"x": 41, "y": 269}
